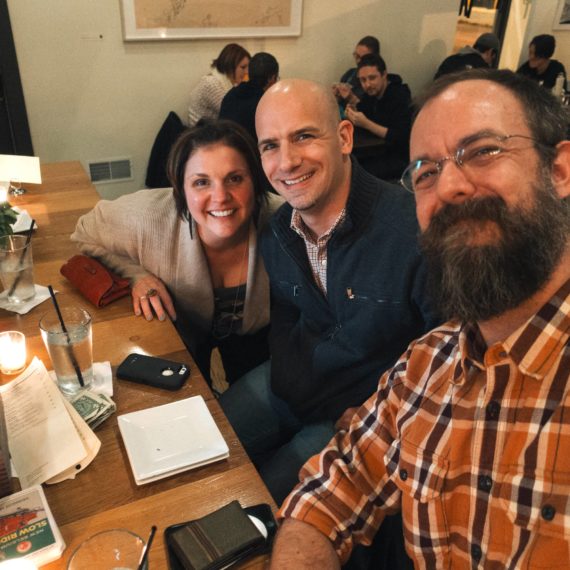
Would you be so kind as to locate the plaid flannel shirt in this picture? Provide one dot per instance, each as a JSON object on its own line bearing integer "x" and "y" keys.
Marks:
{"x": 471, "y": 443}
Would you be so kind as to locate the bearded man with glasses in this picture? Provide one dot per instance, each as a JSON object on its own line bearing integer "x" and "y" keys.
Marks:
{"x": 469, "y": 434}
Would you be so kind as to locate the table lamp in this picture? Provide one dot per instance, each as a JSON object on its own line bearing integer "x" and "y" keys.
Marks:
{"x": 14, "y": 170}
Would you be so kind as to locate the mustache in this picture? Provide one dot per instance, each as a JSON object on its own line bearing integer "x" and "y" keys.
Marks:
{"x": 492, "y": 209}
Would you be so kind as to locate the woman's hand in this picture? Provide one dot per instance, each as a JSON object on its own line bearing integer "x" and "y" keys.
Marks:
{"x": 150, "y": 296}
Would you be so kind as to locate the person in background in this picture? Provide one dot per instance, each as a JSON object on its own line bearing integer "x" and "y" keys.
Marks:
{"x": 540, "y": 66}
{"x": 228, "y": 69}
{"x": 468, "y": 435}
{"x": 191, "y": 251}
{"x": 483, "y": 54}
{"x": 240, "y": 102}
{"x": 349, "y": 82}
{"x": 384, "y": 110}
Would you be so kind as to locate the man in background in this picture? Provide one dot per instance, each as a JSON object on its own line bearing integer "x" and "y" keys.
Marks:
{"x": 385, "y": 110}
{"x": 540, "y": 66}
{"x": 468, "y": 434}
{"x": 240, "y": 102}
{"x": 368, "y": 45}
{"x": 483, "y": 54}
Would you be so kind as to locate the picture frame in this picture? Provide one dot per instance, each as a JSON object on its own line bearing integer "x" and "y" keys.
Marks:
{"x": 562, "y": 16}
{"x": 202, "y": 19}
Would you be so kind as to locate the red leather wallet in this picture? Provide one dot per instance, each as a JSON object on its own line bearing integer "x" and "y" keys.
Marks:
{"x": 95, "y": 282}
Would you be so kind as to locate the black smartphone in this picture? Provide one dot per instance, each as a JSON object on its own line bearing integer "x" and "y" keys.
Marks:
{"x": 153, "y": 371}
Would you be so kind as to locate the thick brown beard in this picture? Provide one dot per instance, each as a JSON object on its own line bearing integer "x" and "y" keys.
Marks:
{"x": 475, "y": 283}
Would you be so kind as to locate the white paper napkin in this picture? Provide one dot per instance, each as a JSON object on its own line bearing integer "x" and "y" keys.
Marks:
{"x": 42, "y": 294}
{"x": 102, "y": 378}
{"x": 23, "y": 221}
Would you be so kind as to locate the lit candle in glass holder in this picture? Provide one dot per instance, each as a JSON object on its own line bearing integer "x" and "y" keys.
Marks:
{"x": 12, "y": 352}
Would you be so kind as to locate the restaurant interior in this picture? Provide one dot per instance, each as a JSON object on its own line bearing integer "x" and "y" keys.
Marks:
{"x": 77, "y": 92}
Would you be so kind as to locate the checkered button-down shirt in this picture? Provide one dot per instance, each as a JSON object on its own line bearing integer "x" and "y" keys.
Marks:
{"x": 316, "y": 247}
{"x": 471, "y": 443}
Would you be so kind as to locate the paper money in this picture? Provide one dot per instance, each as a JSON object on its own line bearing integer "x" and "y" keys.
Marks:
{"x": 93, "y": 408}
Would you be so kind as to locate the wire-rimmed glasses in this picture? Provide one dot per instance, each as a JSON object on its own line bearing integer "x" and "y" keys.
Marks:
{"x": 475, "y": 153}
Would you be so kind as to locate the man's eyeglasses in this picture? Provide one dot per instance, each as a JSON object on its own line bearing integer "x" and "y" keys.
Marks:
{"x": 476, "y": 154}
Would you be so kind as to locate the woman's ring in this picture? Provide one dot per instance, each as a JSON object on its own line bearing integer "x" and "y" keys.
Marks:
{"x": 152, "y": 293}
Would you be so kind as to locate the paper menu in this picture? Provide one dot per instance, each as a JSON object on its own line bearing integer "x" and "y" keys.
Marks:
{"x": 43, "y": 439}
{"x": 91, "y": 445}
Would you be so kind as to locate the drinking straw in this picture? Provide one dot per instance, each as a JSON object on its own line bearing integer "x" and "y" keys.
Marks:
{"x": 74, "y": 362}
{"x": 22, "y": 255}
{"x": 146, "y": 548}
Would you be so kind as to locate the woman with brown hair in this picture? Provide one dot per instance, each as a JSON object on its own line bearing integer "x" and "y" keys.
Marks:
{"x": 228, "y": 69}
{"x": 191, "y": 251}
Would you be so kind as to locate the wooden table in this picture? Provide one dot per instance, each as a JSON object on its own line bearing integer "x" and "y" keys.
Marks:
{"x": 367, "y": 144}
{"x": 105, "y": 495}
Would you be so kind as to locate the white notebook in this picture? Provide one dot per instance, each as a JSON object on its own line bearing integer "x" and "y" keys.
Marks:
{"x": 172, "y": 438}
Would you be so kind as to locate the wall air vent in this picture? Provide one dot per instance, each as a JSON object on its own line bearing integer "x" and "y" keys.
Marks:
{"x": 112, "y": 170}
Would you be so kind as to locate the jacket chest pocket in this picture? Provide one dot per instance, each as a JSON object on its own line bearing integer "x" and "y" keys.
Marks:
{"x": 537, "y": 507}
{"x": 420, "y": 476}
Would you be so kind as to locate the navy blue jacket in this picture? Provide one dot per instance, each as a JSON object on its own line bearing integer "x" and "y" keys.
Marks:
{"x": 327, "y": 353}
{"x": 240, "y": 103}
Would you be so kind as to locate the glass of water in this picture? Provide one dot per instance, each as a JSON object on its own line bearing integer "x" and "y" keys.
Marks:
{"x": 17, "y": 268}
{"x": 70, "y": 350}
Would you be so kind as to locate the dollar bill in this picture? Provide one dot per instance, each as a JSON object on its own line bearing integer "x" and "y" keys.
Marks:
{"x": 93, "y": 408}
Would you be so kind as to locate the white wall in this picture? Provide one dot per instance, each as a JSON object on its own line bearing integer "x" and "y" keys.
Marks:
{"x": 91, "y": 96}
{"x": 514, "y": 39}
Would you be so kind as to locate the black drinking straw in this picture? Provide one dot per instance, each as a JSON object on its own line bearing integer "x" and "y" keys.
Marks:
{"x": 74, "y": 362}
{"x": 146, "y": 548}
{"x": 22, "y": 255}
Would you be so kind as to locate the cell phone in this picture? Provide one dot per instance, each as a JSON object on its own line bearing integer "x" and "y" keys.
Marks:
{"x": 153, "y": 371}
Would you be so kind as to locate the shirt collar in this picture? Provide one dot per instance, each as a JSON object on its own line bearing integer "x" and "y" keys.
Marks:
{"x": 534, "y": 347}
{"x": 472, "y": 348}
{"x": 299, "y": 226}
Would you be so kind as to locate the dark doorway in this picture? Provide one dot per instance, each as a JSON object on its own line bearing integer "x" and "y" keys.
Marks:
{"x": 14, "y": 128}
{"x": 482, "y": 16}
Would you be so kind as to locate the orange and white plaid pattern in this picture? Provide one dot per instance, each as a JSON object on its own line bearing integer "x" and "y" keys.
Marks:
{"x": 471, "y": 443}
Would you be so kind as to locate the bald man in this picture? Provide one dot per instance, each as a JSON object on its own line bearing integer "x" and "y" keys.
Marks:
{"x": 347, "y": 285}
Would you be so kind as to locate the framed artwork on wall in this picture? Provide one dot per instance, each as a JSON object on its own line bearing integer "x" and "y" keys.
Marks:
{"x": 191, "y": 19}
{"x": 562, "y": 16}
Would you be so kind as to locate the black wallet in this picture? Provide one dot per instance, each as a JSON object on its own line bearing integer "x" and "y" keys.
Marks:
{"x": 219, "y": 539}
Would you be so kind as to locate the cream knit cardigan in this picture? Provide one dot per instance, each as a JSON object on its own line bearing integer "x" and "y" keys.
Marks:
{"x": 206, "y": 97}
